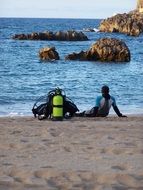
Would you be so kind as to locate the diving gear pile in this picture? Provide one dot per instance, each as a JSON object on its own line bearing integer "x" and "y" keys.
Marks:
{"x": 55, "y": 105}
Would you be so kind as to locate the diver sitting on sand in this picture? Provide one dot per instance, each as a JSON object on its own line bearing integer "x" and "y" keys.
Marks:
{"x": 103, "y": 105}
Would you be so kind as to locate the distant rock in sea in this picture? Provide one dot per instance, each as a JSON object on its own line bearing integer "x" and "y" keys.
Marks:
{"x": 48, "y": 35}
{"x": 48, "y": 54}
{"x": 105, "y": 49}
{"x": 129, "y": 23}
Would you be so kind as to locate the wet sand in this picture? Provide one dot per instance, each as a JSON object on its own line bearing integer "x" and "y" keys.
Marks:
{"x": 75, "y": 154}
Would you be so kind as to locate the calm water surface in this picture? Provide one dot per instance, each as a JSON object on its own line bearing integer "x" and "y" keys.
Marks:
{"x": 23, "y": 78}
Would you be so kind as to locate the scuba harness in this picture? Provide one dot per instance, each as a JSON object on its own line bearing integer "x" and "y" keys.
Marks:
{"x": 55, "y": 106}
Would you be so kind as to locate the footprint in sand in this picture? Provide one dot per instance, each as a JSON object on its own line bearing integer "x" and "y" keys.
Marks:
{"x": 111, "y": 138}
{"x": 47, "y": 167}
{"x": 105, "y": 150}
{"x": 119, "y": 168}
{"x": 67, "y": 149}
{"x": 7, "y": 164}
{"x": 24, "y": 140}
{"x": 52, "y": 183}
{"x": 112, "y": 151}
{"x": 54, "y": 132}
{"x": 138, "y": 177}
{"x": 130, "y": 181}
{"x": 45, "y": 140}
{"x": 130, "y": 144}
{"x": 6, "y": 180}
{"x": 15, "y": 132}
{"x": 141, "y": 151}
{"x": 2, "y": 156}
{"x": 21, "y": 176}
{"x": 122, "y": 130}
{"x": 117, "y": 151}
{"x": 45, "y": 173}
{"x": 81, "y": 126}
{"x": 15, "y": 146}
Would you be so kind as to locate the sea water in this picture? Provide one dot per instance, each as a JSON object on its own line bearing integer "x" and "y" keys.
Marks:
{"x": 24, "y": 78}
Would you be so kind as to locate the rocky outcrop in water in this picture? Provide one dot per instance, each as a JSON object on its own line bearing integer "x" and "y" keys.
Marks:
{"x": 58, "y": 36}
{"x": 130, "y": 24}
{"x": 105, "y": 49}
{"x": 48, "y": 53}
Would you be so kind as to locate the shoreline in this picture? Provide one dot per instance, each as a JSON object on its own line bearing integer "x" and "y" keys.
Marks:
{"x": 24, "y": 113}
{"x": 129, "y": 115}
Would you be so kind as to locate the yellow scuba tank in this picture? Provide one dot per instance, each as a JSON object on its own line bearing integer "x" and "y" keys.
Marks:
{"x": 57, "y": 102}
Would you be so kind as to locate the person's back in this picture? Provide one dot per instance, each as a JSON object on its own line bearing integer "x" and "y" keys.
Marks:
{"x": 102, "y": 105}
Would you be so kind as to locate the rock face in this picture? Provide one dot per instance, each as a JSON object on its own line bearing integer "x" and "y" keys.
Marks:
{"x": 106, "y": 49}
{"x": 140, "y": 6}
{"x": 48, "y": 53}
{"x": 130, "y": 24}
{"x": 48, "y": 35}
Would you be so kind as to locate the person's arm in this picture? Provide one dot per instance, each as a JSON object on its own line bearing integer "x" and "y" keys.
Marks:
{"x": 116, "y": 108}
{"x": 117, "y": 111}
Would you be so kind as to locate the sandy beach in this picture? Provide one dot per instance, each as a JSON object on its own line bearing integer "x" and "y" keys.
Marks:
{"x": 75, "y": 154}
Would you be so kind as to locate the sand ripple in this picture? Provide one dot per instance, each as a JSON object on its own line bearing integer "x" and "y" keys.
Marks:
{"x": 79, "y": 154}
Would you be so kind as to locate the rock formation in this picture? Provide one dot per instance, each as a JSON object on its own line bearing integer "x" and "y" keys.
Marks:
{"x": 140, "y": 6}
{"x": 48, "y": 35}
{"x": 105, "y": 49}
{"x": 130, "y": 24}
{"x": 48, "y": 53}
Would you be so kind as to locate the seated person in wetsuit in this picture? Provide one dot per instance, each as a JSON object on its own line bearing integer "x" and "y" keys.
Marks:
{"x": 103, "y": 105}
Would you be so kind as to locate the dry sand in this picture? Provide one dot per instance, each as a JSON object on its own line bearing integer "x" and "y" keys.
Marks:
{"x": 76, "y": 154}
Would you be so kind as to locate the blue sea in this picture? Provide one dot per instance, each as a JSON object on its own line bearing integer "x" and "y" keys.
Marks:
{"x": 24, "y": 78}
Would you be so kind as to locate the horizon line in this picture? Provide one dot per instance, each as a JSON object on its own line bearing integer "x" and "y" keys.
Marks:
{"x": 47, "y": 17}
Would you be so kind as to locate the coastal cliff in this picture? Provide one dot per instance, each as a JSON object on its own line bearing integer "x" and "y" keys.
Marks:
{"x": 128, "y": 23}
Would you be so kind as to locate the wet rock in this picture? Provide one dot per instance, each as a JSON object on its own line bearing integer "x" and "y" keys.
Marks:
{"x": 111, "y": 49}
{"x": 77, "y": 56}
{"x": 128, "y": 23}
{"x": 48, "y": 53}
{"x": 105, "y": 49}
{"x": 48, "y": 35}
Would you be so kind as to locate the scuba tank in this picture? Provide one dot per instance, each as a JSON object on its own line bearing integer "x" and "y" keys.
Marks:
{"x": 57, "y": 105}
